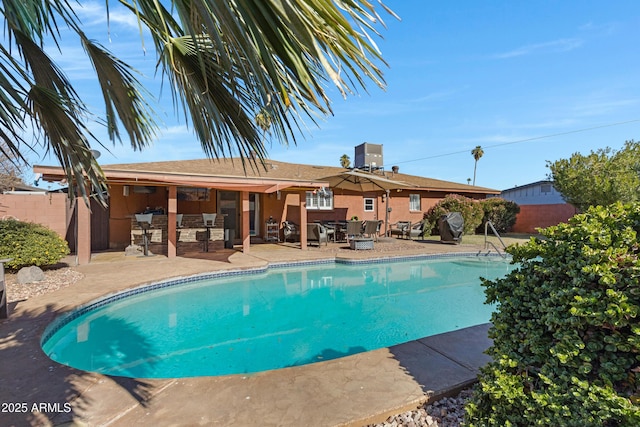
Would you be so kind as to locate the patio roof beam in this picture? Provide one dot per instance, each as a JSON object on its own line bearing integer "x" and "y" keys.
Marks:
{"x": 260, "y": 185}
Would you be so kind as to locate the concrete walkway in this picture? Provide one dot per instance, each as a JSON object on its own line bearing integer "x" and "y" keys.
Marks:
{"x": 355, "y": 390}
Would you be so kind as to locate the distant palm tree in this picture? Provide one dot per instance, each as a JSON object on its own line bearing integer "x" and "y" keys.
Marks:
{"x": 477, "y": 154}
{"x": 345, "y": 161}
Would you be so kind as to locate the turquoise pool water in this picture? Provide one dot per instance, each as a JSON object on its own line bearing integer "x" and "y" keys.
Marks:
{"x": 279, "y": 318}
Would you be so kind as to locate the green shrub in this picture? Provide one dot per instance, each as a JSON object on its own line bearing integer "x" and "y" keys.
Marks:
{"x": 30, "y": 244}
{"x": 470, "y": 209}
{"x": 566, "y": 335}
{"x": 502, "y": 214}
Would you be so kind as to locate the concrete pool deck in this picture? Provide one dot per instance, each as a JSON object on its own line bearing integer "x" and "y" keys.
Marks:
{"x": 355, "y": 390}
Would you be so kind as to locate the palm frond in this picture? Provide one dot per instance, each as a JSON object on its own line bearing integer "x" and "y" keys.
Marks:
{"x": 12, "y": 106}
{"x": 124, "y": 96}
{"x": 269, "y": 55}
{"x": 226, "y": 61}
{"x": 218, "y": 109}
{"x": 66, "y": 135}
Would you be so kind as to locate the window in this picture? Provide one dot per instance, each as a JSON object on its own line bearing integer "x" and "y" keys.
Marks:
{"x": 545, "y": 188}
{"x": 320, "y": 199}
{"x": 368, "y": 204}
{"x": 192, "y": 194}
{"x": 414, "y": 202}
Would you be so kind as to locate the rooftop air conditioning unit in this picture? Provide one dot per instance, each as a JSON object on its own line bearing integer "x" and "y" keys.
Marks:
{"x": 368, "y": 157}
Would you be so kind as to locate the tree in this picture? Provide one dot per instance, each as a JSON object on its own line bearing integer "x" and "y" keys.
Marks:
{"x": 602, "y": 177}
{"x": 224, "y": 62}
{"x": 11, "y": 170}
{"x": 477, "y": 154}
{"x": 345, "y": 161}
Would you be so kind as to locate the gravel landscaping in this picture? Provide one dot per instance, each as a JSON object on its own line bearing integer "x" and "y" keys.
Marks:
{"x": 55, "y": 278}
{"x": 447, "y": 412}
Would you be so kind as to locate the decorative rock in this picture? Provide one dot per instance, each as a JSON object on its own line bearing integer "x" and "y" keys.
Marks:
{"x": 132, "y": 250}
{"x": 446, "y": 412}
{"x": 29, "y": 275}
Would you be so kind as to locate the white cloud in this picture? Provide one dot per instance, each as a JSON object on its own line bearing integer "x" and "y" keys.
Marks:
{"x": 598, "y": 107}
{"x": 603, "y": 29}
{"x": 561, "y": 45}
{"x": 93, "y": 13}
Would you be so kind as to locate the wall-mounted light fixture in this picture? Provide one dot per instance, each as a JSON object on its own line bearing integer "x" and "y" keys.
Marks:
{"x": 125, "y": 190}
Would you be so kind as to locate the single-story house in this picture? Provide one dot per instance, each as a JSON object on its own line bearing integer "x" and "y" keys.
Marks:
{"x": 245, "y": 200}
{"x": 541, "y": 205}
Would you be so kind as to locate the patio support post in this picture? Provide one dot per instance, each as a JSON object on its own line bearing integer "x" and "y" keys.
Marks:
{"x": 386, "y": 212}
{"x": 172, "y": 210}
{"x": 83, "y": 234}
{"x": 303, "y": 220}
{"x": 246, "y": 233}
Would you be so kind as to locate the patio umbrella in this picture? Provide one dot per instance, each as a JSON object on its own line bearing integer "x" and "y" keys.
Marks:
{"x": 365, "y": 182}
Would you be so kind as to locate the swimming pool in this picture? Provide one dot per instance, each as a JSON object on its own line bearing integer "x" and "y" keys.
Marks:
{"x": 272, "y": 319}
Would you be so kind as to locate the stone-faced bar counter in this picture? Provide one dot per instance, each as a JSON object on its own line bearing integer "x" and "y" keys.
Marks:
{"x": 191, "y": 235}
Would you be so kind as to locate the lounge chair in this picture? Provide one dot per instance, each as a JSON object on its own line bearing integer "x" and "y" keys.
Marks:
{"x": 400, "y": 229}
{"x": 416, "y": 230}
{"x": 317, "y": 233}
{"x": 290, "y": 231}
{"x": 372, "y": 229}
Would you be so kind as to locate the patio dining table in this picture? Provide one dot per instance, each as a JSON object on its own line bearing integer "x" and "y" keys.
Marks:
{"x": 338, "y": 227}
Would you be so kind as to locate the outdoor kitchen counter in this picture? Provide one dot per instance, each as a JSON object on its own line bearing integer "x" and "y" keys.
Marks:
{"x": 191, "y": 235}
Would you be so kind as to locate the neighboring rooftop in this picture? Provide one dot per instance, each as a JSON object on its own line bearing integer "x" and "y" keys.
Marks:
{"x": 535, "y": 193}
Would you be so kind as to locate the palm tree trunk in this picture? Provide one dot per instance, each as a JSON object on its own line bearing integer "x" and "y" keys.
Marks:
{"x": 475, "y": 165}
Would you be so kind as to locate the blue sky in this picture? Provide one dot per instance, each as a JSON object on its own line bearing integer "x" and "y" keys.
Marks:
{"x": 527, "y": 81}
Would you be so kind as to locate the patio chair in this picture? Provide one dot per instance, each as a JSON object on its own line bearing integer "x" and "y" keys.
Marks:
{"x": 400, "y": 229}
{"x": 317, "y": 233}
{"x": 331, "y": 230}
{"x": 372, "y": 229}
{"x": 290, "y": 231}
{"x": 416, "y": 230}
{"x": 354, "y": 229}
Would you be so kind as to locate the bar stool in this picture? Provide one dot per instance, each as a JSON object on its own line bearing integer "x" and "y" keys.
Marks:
{"x": 209, "y": 220}
{"x": 144, "y": 221}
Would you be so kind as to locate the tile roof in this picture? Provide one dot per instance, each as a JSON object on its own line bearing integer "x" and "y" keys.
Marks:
{"x": 273, "y": 169}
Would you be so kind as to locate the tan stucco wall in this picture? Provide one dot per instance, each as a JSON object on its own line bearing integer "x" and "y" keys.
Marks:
{"x": 48, "y": 209}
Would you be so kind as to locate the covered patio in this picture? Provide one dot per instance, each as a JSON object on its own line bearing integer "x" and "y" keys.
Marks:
{"x": 169, "y": 194}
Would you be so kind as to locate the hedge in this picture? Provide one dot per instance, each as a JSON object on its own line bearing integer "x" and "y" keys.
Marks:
{"x": 29, "y": 244}
{"x": 566, "y": 335}
{"x": 470, "y": 209}
{"x": 502, "y": 214}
